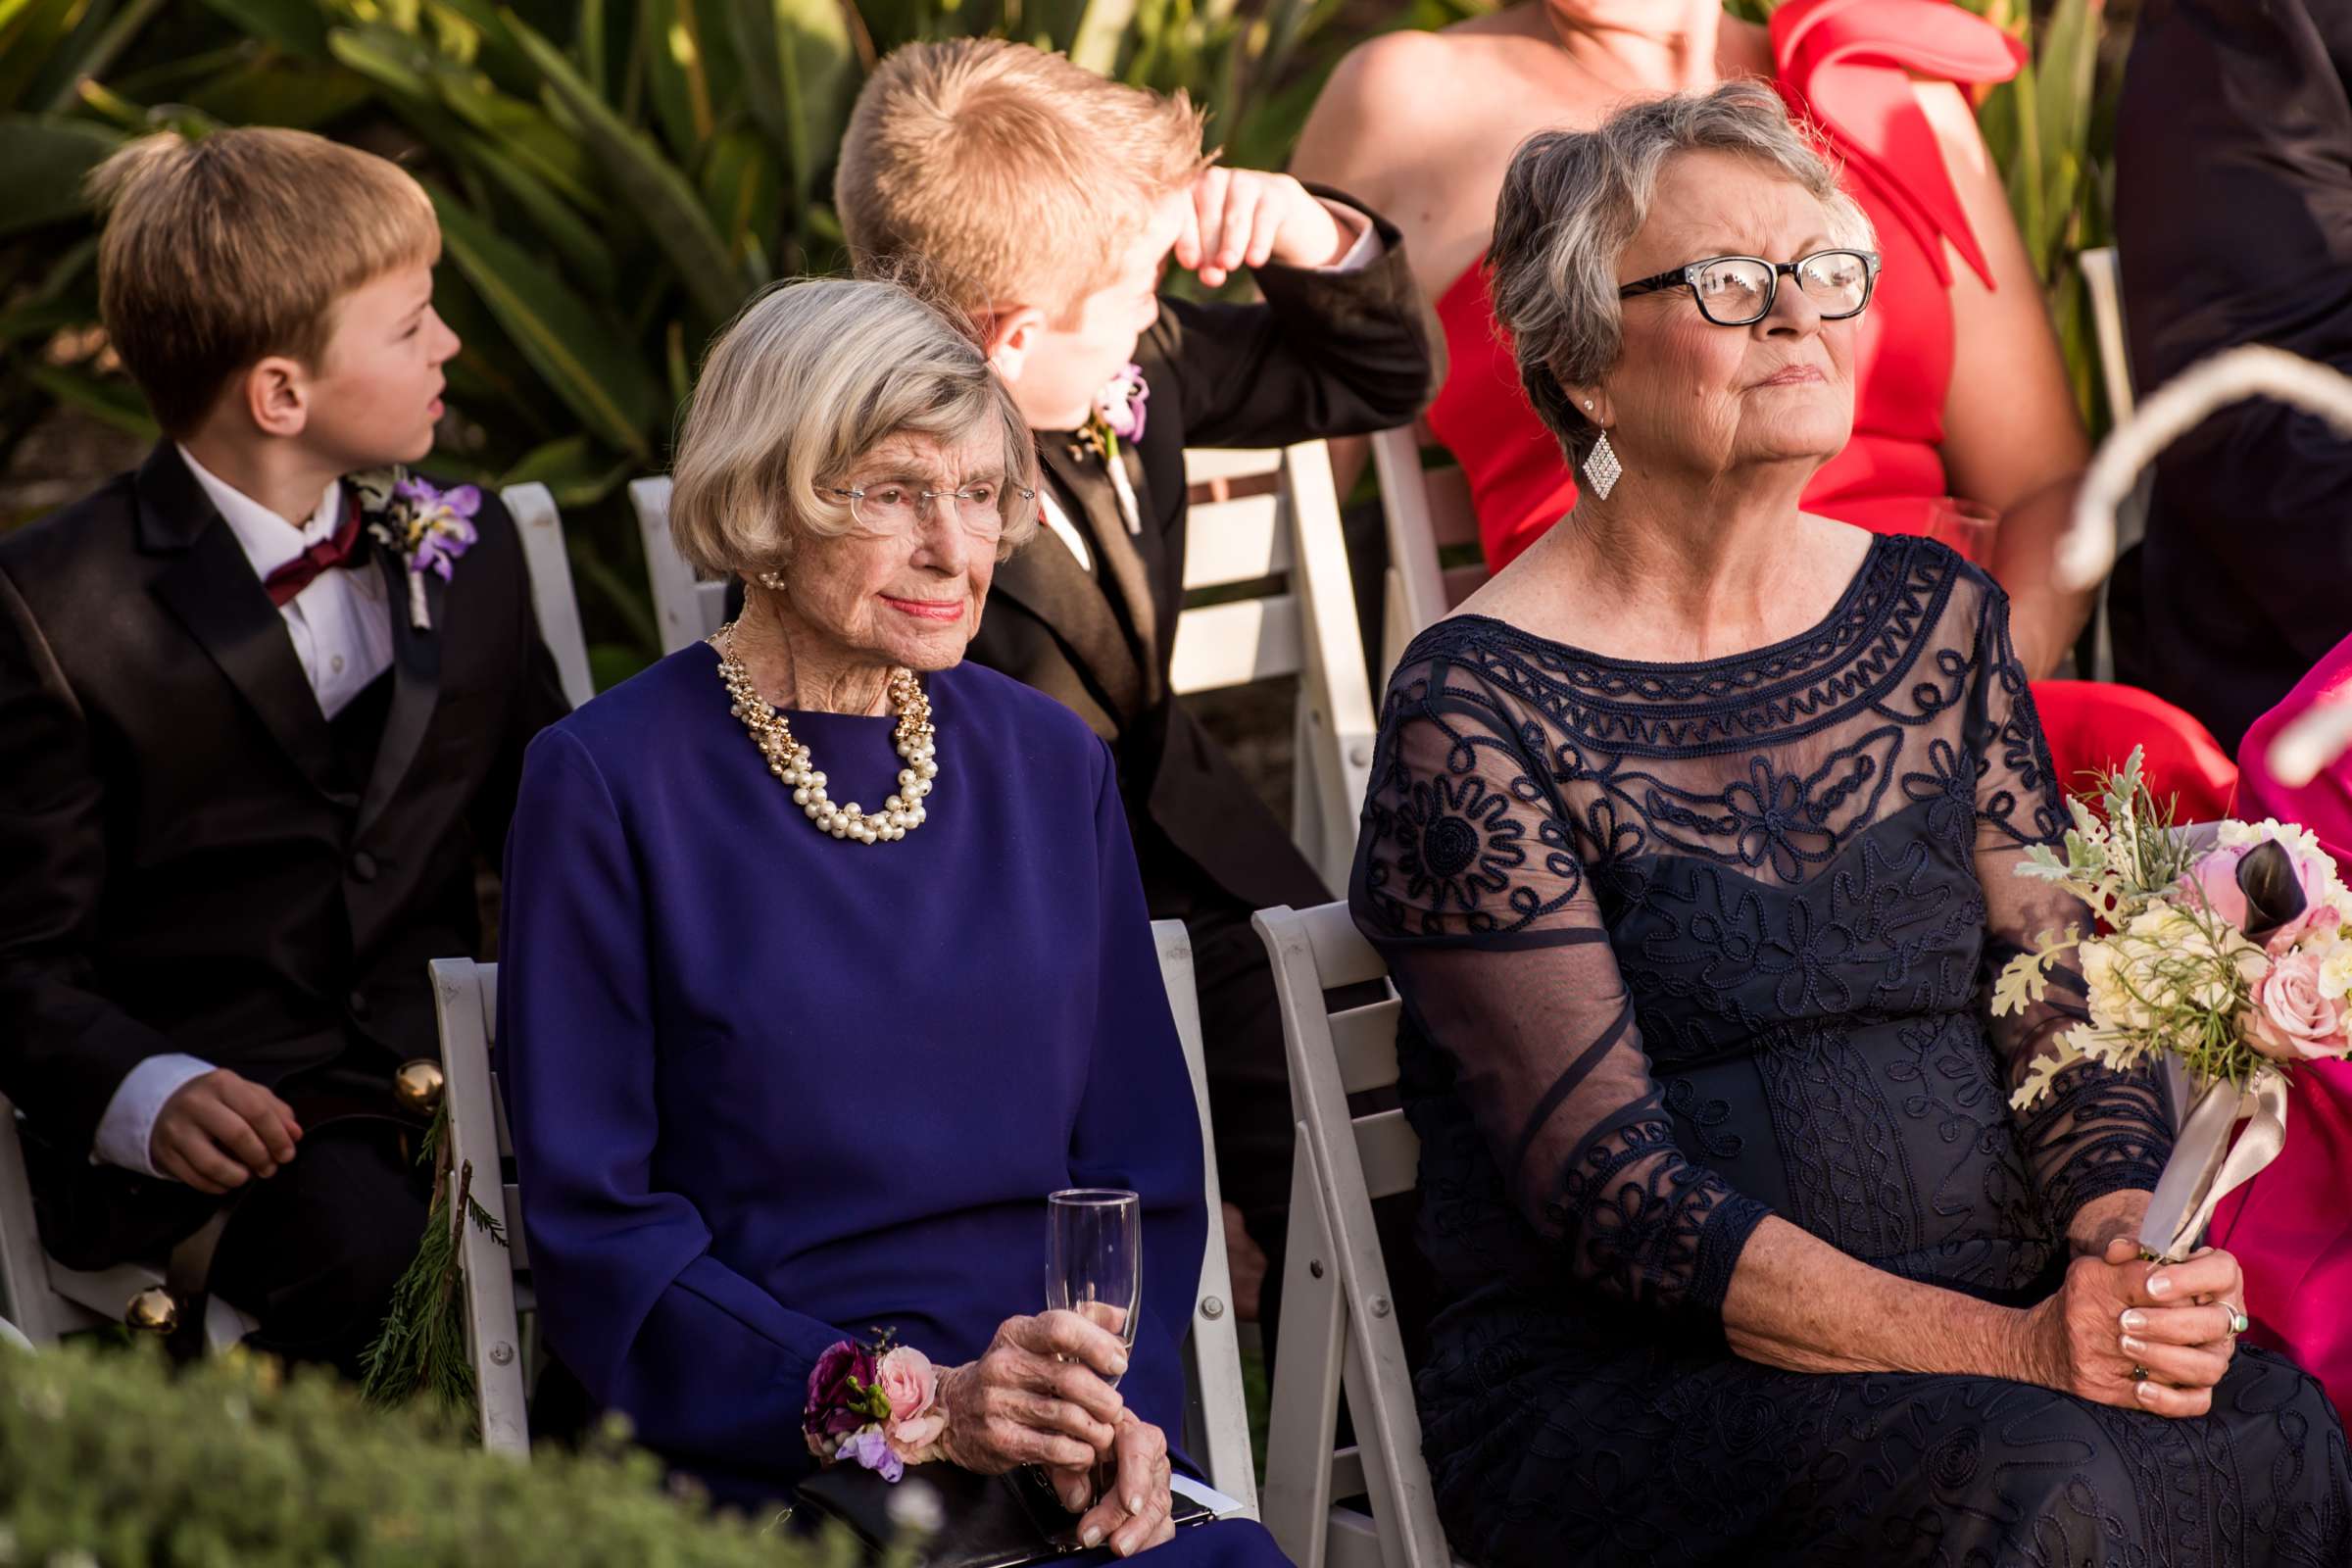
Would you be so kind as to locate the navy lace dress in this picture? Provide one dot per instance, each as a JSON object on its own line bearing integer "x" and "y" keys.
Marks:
{"x": 1685, "y": 945}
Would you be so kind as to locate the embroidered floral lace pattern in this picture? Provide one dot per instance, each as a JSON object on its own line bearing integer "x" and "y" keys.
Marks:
{"x": 1681, "y": 946}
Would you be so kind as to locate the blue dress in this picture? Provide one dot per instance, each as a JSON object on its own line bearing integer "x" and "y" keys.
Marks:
{"x": 1681, "y": 946}
{"x": 770, "y": 1090}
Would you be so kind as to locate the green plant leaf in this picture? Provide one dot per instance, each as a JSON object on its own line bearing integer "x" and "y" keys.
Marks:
{"x": 598, "y": 376}
{"x": 43, "y": 161}
{"x": 31, "y": 31}
{"x": 298, "y": 27}
{"x": 797, "y": 78}
{"x": 110, "y": 400}
{"x": 650, "y": 185}
{"x": 583, "y": 250}
{"x": 674, "y": 46}
{"x": 574, "y": 469}
{"x": 743, "y": 187}
{"x": 271, "y": 90}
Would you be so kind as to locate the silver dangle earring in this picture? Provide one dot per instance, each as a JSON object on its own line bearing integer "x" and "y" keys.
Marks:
{"x": 772, "y": 581}
{"x": 1601, "y": 468}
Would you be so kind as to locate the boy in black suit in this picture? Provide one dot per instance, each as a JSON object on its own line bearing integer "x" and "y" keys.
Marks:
{"x": 1047, "y": 201}
{"x": 264, "y": 704}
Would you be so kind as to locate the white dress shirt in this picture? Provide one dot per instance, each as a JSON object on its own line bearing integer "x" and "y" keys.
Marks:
{"x": 341, "y": 628}
{"x": 342, "y": 635}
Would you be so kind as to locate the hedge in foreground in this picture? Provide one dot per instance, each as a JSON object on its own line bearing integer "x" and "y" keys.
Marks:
{"x": 113, "y": 1458}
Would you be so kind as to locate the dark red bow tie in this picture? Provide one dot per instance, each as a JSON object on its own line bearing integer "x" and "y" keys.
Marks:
{"x": 303, "y": 569}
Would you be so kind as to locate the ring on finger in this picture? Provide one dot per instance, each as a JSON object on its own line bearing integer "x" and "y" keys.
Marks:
{"x": 2238, "y": 1321}
{"x": 2140, "y": 1374}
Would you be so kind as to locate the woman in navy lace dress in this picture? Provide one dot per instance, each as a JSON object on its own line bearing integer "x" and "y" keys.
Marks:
{"x": 1690, "y": 841}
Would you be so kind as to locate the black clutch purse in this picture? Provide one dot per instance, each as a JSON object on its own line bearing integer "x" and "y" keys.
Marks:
{"x": 1002, "y": 1521}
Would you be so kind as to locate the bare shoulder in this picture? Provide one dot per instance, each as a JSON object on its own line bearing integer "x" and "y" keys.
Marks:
{"x": 1388, "y": 95}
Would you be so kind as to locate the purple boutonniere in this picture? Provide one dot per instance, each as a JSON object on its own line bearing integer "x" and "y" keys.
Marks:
{"x": 1119, "y": 412}
{"x": 427, "y": 529}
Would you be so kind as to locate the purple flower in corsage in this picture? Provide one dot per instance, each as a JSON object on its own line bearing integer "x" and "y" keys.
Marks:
{"x": 1119, "y": 412}
{"x": 874, "y": 1405}
{"x": 426, "y": 528}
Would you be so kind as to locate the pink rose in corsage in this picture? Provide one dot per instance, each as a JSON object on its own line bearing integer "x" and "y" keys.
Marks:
{"x": 874, "y": 1405}
{"x": 1118, "y": 413}
{"x": 426, "y": 528}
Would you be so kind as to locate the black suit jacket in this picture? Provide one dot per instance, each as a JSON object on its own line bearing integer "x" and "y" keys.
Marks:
{"x": 1325, "y": 355}
{"x": 2233, "y": 223}
{"x": 183, "y": 866}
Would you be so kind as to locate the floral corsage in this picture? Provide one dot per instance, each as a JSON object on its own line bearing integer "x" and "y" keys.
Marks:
{"x": 1118, "y": 413}
{"x": 875, "y": 1405}
{"x": 427, "y": 529}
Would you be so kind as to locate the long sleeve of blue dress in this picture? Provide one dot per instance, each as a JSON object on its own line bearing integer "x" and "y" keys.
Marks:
{"x": 707, "y": 1363}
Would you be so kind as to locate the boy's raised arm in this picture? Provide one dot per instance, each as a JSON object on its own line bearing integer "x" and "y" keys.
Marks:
{"x": 1332, "y": 351}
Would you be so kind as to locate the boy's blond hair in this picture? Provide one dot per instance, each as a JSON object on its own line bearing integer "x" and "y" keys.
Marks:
{"x": 220, "y": 252}
{"x": 1016, "y": 176}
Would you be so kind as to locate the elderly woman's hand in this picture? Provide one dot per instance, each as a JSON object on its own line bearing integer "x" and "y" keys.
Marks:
{"x": 1134, "y": 1513}
{"x": 1039, "y": 1394}
{"x": 2115, "y": 1314}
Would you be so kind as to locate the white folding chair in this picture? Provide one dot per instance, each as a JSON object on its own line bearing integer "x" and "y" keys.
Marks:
{"x": 1258, "y": 516}
{"x": 534, "y": 509}
{"x": 1339, "y": 1322}
{"x": 44, "y": 1299}
{"x": 1216, "y": 1425}
{"x": 1426, "y": 511}
{"x": 687, "y": 608}
{"x": 495, "y": 1280}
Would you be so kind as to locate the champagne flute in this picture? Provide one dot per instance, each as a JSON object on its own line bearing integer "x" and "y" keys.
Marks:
{"x": 1095, "y": 1266}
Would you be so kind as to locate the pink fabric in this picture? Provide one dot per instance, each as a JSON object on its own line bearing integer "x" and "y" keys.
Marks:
{"x": 2290, "y": 1227}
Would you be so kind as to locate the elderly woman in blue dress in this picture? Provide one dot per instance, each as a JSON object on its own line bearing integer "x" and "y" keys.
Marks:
{"x": 825, "y": 961}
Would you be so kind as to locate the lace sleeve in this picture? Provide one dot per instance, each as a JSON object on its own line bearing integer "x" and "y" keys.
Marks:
{"x": 2098, "y": 1131}
{"x": 1467, "y": 881}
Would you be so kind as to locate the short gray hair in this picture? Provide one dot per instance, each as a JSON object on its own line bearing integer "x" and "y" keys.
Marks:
{"x": 810, "y": 377}
{"x": 1571, "y": 203}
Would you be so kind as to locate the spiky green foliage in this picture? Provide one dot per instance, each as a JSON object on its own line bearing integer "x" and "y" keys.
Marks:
{"x": 422, "y": 1349}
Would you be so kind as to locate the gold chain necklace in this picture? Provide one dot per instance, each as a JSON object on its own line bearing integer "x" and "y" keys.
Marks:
{"x": 788, "y": 760}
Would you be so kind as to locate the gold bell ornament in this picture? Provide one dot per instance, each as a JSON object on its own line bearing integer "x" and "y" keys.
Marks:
{"x": 154, "y": 1310}
{"x": 418, "y": 1084}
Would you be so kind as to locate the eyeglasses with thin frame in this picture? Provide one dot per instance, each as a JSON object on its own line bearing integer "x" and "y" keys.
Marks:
{"x": 895, "y": 506}
{"x": 1740, "y": 291}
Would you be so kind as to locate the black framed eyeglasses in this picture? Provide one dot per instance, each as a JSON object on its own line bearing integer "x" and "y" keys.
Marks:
{"x": 1739, "y": 290}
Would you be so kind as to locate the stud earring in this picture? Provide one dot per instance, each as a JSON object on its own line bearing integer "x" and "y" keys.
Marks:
{"x": 1602, "y": 469}
{"x": 772, "y": 581}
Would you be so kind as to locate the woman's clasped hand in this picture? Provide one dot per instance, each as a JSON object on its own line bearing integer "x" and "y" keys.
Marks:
{"x": 2127, "y": 1332}
{"x": 1042, "y": 1394}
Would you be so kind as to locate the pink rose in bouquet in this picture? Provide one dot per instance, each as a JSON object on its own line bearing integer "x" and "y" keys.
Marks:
{"x": 2292, "y": 1021}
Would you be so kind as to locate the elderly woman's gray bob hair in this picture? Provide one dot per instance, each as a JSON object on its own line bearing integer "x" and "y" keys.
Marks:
{"x": 809, "y": 379}
{"x": 1571, "y": 203}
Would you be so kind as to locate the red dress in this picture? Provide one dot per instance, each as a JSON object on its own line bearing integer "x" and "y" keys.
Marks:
{"x": 1848, "y": 64}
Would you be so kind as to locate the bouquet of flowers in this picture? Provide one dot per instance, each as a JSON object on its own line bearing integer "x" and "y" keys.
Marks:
{"x": 2223, "y": 949}
{"x": 877, "y": 1405}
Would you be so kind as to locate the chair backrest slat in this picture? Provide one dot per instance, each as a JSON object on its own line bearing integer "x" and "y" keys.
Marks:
{"x": 1390, "y": 1151}
{"x": 686, "y": 607}
{"x": 1364, "y": 1041}
{"x": 552, "y": 601}
{"x": 1235, "y": 642}
{"x": 1229, "y": 542}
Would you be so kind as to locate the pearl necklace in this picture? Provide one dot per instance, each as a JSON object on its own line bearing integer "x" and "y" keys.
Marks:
{"x": 788, "y": 759}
